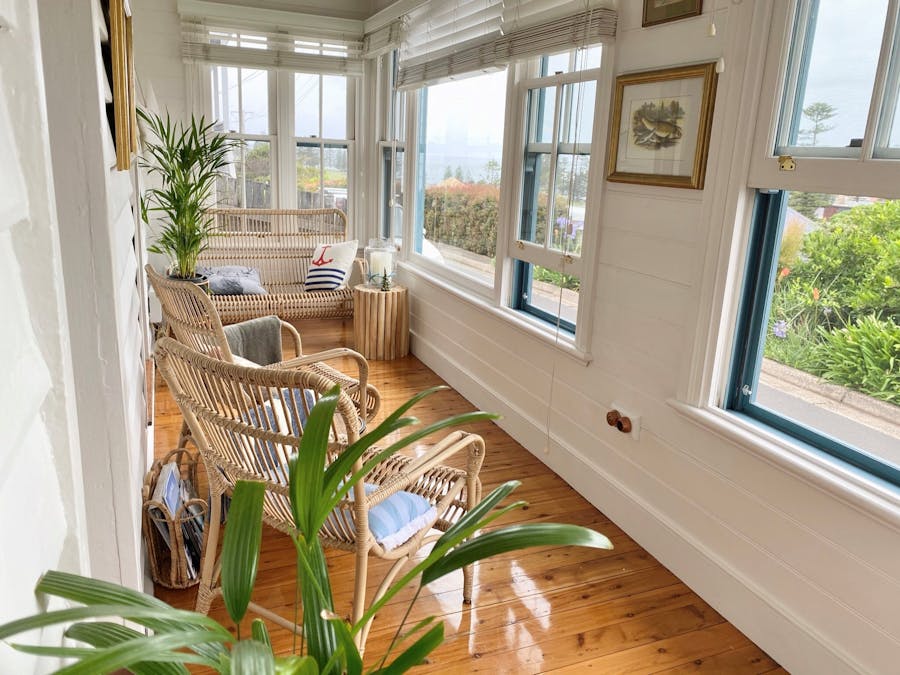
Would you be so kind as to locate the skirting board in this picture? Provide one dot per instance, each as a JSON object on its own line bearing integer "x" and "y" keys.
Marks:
{"x": 751, "y": 608}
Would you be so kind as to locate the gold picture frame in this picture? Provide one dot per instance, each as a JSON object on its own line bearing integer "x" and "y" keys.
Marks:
{"x": 663, "y": 11}
{"x": 661, "y": 125}
{"x": 122, "y": 65}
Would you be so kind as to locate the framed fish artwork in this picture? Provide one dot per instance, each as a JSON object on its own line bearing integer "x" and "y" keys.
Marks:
{"x": 662, "y": 11}
{"x": 661, "y": 125}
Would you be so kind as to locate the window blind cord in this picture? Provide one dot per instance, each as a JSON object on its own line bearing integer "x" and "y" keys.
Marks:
{"x": 579, "y": 107}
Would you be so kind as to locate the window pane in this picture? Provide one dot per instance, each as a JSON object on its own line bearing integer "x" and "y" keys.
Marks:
{"x": 541, "y": 108}
{"x": 306, "y": 105}
{"x": 578, "y": 112}
{"x": 573, "y": 60}
{"x": 569, "y": 200}
{"x": 226, "y": 98}
{"x": 536, "y": 193}
{"x": 334, "y": 106}
{"x": 247, "y": 181}
{"x": 459, "y": 188}
{"x": 255, "y": 101}
{"x": 836, "y": 72}
{"x": 552, "y": 292}
{"x": 309, "y": 177}
{"x": 392, "y": 193}
{"x": 832, "y": 340}
{"x": 335, "y": 177}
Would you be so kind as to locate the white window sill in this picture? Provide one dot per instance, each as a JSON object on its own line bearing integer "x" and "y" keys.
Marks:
{"x": 531, "y": 326}
{"x": 853, "y": 486}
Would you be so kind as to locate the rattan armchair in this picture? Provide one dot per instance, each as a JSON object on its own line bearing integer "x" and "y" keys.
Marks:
{"x": 231, "y": 413}
{"x": 191, "y": 317}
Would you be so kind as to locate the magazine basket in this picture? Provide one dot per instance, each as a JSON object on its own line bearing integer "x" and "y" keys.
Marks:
{"x": 169, "y": 565}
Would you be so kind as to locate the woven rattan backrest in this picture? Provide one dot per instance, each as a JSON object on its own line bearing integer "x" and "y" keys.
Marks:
{"x": 190, "y": 314}
{"x": 279, "y": 243}
{"x": 247, "y": 422}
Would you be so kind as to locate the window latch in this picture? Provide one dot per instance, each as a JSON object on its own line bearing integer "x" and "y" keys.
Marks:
{"x": 746, "y": 390}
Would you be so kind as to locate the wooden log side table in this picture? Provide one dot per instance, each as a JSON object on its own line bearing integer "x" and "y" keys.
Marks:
{"x": 381, "y": 322}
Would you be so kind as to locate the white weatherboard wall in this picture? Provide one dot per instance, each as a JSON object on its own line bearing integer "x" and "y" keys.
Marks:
{"x": 99, "y": 239}
{"x": 41, "y": 491}
{"x": 813, "y": 580}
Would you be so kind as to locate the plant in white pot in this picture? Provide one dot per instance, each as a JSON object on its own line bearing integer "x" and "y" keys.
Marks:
{"x": 187, "y": 159}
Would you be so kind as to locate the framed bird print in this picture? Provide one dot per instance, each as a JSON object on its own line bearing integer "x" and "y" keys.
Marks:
{"x": 661, "y": 125}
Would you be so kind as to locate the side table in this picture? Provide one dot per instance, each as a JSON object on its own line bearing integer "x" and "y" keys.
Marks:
{"x": 381, "y": 322}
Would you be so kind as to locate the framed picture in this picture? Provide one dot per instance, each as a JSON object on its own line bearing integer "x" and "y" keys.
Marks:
{"x": 661, "y": 11}
{"x": 120, "y": 71}
{"x": 660, "y": 126}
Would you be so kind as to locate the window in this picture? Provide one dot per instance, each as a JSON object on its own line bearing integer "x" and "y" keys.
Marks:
{"x": 460, "y": 148}
{"x": 557, "y": 158}
{"x": 240, "y": 99}
{"x": 318, "y": 137}
{"x": 817, "y": 351}
{"x": 322, "y": 151}
{"x": 393, "y": 147}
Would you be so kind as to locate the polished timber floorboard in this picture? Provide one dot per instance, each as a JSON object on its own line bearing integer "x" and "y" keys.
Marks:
{"x": 540, "y": 610}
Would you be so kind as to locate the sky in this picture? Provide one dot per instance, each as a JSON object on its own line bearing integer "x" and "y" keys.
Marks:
{"x": 842, "y": 68}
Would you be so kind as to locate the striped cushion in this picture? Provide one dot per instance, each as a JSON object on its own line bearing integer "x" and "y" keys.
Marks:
{"x": 330, "y": 266}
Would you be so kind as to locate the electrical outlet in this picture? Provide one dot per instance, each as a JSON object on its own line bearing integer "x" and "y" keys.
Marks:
{"x": 617, "y": 419}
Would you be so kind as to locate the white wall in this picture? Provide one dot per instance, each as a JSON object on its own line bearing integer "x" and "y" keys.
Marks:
{"x": 812, "y": 579}
{"x": 41, "y": 491}
{"x": 100, "y": 247}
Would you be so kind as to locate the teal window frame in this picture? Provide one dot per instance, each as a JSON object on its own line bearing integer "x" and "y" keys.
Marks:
{"x": 755, "y": 304}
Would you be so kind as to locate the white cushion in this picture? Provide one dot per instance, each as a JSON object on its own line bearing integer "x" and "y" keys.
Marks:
{"x": 330, "y": 266}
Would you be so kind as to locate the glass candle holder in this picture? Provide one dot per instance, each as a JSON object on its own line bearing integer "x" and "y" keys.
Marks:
{"x": 380, "y": 254}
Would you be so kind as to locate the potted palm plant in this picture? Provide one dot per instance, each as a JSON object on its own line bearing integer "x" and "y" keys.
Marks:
{"x": 187, "y": 159}
{"x": 174, "y": 638}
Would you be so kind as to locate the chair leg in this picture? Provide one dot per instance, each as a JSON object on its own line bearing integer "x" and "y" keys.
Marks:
{"x": 206, "y": 591}
{"x": 185, "y": 436}
{"x": 359, "y": 595}
{"x": 473, "y": 496}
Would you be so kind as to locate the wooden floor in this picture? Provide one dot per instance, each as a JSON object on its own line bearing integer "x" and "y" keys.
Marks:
{"x": 542, "y": 610}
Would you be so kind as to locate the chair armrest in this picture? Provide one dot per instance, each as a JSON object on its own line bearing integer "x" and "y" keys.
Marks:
{"x": 295, "y": 335}
{"x": 435, "y": 456}
{"x": 330, "y": 354}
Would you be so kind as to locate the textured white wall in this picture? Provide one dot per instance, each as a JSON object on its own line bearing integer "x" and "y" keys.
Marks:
{"x": 41, "y": 492}
{"x": 99, "y": 239}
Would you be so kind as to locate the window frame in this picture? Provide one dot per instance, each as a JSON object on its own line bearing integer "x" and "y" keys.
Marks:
{"x": 282, "y": 130}
{"x": 499, "y": 300}
{"x": 816, "y": 171}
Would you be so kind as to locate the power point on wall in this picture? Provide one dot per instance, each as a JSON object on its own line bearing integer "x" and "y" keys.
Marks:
{"x": 624, "y": 421}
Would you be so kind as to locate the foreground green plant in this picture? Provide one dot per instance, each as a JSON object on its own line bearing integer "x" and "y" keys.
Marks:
{"x": 188, "y": 159}
{"x": 174, "y": 638}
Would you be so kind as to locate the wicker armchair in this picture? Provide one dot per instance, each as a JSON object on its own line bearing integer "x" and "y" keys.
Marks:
{"x": 223, "y": 403}
{"x": 191, "y": 317}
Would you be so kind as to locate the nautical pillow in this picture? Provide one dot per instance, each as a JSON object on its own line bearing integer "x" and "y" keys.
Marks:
{"x": 330, "y": 266}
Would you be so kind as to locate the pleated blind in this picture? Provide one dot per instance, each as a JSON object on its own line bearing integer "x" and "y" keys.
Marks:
{"x": 438, "y": 25}
{"x": 519, "y": 14}
{"x": 528, "y": 40}
{"x": 236, "y": 44}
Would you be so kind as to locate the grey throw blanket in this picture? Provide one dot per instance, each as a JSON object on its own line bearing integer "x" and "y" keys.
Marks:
{"x": 258, "y": 340}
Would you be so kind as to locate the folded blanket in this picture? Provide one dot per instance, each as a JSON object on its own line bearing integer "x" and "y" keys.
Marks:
{"x": 257, "y": 340}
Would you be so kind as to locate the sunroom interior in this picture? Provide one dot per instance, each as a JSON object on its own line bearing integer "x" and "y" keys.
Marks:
{"x": 677, "y": 211}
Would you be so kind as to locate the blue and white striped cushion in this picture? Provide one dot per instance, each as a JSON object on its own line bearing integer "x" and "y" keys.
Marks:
{"x": 330, "y": 266}
{"x": 324, "y": 279}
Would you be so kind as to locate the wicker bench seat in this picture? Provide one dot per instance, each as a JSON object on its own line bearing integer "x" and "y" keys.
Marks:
{"x": 280, "y": 244}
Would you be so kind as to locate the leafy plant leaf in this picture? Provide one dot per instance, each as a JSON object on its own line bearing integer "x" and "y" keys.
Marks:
{"x": 240, "y": 547}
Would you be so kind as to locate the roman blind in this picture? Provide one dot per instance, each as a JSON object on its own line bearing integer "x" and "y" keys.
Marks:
{"x": 519, "y": 14}
{"x": 436, "y": 26}
{"x": 384, "y": 39}
{"x": 545, "y": 31}
{"x": 255, "y": 42}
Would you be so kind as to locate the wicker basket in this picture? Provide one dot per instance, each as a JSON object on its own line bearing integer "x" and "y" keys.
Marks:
{"x": 169, "y": 566}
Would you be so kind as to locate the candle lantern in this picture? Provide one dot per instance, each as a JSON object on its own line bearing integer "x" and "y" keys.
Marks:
{"x": 380, "y": 255}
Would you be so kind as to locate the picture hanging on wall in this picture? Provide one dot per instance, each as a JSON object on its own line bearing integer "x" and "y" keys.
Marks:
{"x": 661, "y": 125}
{"x": 661, "y": 11}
